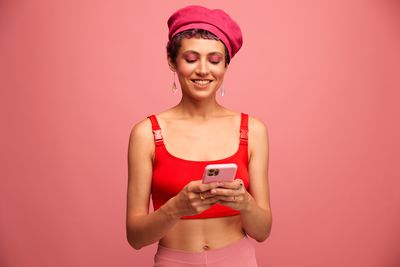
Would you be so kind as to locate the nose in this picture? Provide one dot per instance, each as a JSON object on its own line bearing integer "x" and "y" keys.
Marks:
{"x": 202, "y": 68}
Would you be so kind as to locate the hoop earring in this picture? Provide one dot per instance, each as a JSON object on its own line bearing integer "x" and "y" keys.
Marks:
{"x": 222, "y": 90}
{"x": 174, "y": 88}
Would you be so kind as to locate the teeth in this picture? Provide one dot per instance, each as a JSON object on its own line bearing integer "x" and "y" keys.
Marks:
{"x": 202, "y": 81}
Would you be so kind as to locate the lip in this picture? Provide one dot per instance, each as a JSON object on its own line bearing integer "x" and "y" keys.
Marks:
{"x": 201, "y": 85}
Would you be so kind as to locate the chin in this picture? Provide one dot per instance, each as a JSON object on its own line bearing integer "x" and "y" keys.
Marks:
{"x": 199, "y": 94}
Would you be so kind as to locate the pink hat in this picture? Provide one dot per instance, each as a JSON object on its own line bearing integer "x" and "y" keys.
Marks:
{"x": 215, "y": 21}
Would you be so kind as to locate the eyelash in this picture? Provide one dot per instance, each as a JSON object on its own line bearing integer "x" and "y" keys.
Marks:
{"x": 212, "y": 62}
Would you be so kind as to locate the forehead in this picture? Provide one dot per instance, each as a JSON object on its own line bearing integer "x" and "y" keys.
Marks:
{"x": 202, "y": 46}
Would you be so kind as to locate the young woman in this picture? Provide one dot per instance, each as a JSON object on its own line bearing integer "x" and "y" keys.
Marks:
{"x": 195, "y": 223}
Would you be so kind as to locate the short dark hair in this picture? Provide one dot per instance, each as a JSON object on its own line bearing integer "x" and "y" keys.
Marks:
{"x": 174, "y": 45}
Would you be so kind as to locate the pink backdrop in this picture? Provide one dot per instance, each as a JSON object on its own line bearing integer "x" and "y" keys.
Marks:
{"x": 323, "y": 75}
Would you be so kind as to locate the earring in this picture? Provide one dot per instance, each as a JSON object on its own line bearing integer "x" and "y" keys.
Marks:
{"x": 222, "y": 90}
{"x": 174, "y": 89}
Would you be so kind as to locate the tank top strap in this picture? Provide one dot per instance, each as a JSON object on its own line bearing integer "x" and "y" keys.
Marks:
{"x": 244, "y": 128}
{"x": 158, "y": 139}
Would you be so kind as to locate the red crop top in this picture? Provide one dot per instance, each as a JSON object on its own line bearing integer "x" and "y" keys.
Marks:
{"x": 167, "y": 181}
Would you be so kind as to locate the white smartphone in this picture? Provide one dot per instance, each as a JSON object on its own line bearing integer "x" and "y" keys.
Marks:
{"x": 219, "y": 173}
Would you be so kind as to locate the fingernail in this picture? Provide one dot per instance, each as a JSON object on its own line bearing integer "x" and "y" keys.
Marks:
{"x": 213, "y": 191}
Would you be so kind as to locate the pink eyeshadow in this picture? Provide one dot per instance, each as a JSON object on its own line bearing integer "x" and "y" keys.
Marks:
{"x": 190, "y": 57}
{"x": 215, "y": 58}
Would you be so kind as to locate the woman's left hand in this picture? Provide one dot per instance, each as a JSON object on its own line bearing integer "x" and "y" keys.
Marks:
{"x": 232, "y": 194}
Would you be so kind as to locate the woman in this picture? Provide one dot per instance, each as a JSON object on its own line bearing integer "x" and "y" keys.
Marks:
{"x": 195, "y": 223}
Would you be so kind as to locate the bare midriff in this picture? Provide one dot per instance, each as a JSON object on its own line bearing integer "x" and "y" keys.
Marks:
{"x": 199, "y": 235}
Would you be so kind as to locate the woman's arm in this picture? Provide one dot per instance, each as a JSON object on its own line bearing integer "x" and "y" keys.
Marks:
{"x": 257, "y": 216}
{"x": 254, "y": 206}
{"x": 143, "y": 228}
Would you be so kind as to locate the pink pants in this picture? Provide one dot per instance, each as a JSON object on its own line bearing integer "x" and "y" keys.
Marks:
{"x": 238, "y": 254}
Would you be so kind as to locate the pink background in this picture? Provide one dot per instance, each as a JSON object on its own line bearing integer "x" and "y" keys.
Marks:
{"x": 323, "y": 75}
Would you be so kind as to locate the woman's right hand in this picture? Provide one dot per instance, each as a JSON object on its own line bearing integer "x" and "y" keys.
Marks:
{"x": 193, "y": 199}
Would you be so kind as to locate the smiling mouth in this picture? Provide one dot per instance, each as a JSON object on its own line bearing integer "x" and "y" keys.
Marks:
{"x": 201, "y": 82}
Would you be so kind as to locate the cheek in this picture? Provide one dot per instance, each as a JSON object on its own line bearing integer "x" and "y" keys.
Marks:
{"x": 218, "y": 72}
{"x": 185, "y": 70}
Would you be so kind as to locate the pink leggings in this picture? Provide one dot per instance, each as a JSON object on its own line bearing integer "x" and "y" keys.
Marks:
{"x": 240, "y": 253}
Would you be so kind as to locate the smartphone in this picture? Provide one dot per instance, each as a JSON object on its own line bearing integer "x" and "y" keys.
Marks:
{"x": 219, "y": 173}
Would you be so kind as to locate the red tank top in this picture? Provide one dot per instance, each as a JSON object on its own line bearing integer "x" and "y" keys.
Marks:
{"x": 167, "y": 181}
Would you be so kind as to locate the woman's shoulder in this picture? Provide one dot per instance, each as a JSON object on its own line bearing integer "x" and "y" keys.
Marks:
{"x": 257, "y": 127}
{"x": 258, "y": 137}
{"x": 142, "y": 130}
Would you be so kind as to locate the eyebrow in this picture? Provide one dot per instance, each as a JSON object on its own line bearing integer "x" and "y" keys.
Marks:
{"x": 197, "y": 53}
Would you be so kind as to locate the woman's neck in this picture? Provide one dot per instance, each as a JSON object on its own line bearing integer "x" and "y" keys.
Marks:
{"x": 201, "y": 110}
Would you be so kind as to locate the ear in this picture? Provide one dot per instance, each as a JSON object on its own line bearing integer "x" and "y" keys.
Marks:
{"x": 171, "y": 64}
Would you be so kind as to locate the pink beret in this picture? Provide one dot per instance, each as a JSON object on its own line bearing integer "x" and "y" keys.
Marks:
{"x": 215, "y": 21}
